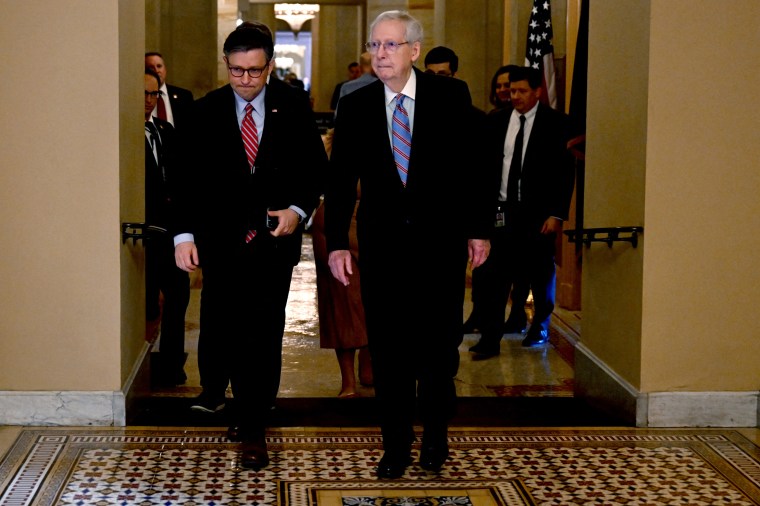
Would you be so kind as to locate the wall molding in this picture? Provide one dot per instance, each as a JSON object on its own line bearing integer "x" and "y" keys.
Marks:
{"x": 608, "y": 391}
{"x": 50, "y": 408}
{"x": 71, "y": 407}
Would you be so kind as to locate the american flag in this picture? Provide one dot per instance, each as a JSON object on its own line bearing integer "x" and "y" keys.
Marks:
{"x": 539, "y": 52}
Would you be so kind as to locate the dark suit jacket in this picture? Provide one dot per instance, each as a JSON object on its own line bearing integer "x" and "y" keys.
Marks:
{"x": 160, "y": 178}
{"x": 547, "y": 172}
{"x": 181, "y": 102}
{"x": 222, "y": 200}
{"x": 445, "y": 197}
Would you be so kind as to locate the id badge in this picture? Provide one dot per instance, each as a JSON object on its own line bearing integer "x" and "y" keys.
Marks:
{"x": 499, "y": 219}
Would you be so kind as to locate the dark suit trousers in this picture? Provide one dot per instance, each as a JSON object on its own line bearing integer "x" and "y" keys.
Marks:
{"x": 163, "y": 275}
{"x": 413, "y": 294}
{"x": 520, "y": 255}
{"x": 243, "y": 301}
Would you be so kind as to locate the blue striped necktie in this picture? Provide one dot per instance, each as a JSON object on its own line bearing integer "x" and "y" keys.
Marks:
{"x": 402, "y": 138}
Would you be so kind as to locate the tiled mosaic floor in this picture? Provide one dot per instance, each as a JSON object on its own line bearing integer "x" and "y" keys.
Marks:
{"x": 326, "y": 467}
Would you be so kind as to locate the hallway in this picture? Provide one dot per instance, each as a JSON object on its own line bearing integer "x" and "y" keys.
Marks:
{"x": 311, "y": 372}
{"x": 520, "y": 438}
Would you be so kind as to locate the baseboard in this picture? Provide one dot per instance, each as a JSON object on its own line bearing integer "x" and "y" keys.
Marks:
{"x": 604, "y": 389}
{"x": 137, "y": 386}
{"x": 702, "y": 409}
{"x": 65, "y": 408}
{"x": 77, "y": 408}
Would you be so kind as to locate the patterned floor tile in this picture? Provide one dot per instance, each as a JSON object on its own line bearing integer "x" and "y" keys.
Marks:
{"x": 330, "y": 467}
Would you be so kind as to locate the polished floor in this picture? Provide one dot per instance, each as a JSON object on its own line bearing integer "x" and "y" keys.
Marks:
{"x": 520, "y": 438}
{"x": 311, "y": 372}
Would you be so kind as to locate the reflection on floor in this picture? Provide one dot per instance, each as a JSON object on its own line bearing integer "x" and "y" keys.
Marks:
{"x": 520, "y": 438}
{"x": 310, "y": 372}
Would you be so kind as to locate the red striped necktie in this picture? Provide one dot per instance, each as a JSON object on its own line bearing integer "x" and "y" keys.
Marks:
{"x": 402, "y": 138}
{"x": 250, "y": 135}
{"x": 251, "y": 141}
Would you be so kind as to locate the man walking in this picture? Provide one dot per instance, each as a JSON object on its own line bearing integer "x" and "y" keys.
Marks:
{"x": 256, "y": 160}
{"x": 423, "y": 212}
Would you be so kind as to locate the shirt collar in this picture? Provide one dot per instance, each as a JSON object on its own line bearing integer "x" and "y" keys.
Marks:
{"x": 528, "y": 115}
{"x": 257, "y": 103}
{"x": 410, "y": 89}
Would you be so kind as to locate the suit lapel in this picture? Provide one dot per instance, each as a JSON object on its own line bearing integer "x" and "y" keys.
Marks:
{"x": 535, "y": 133}
{"x": 229, "y": 130}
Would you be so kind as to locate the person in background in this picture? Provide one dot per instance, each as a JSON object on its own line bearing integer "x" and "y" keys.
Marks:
{"x": 517, "y": 320}
{"x": 423, "y": 212}
{"x": 175, "y": 103}
{"x": 368, "y": 76}
{"x": 354, "y": 72}
{"x": 341, "y": 312}
{"x": 499, "y": 96}
{"x": 442, "y": 61}
{"x": 161, "y": 274}
{"x": 255, "y": 163}
{"x": 527, "y": 148}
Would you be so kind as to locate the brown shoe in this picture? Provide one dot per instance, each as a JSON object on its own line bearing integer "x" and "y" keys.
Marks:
{"x": 254, "y": 454}
{"x": 235, "y": 433}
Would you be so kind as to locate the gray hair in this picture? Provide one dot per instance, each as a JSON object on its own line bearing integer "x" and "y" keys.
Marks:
{"x": 413, "y": 27}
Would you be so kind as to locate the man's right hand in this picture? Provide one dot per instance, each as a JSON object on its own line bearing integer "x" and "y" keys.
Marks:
{"x": 340, "y": 265}
{"x": 186, "y": 256}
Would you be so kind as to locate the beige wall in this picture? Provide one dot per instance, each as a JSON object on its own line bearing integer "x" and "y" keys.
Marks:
{"x": 185, "y": 34}
{"x": 670, "y": 147}
{"x": 702, "y": 191}
{"x": 615, "y": 172}
{"x": 673, "y": 145}
{"x": 69, "y": 96}
{"x": 339, "y": 33}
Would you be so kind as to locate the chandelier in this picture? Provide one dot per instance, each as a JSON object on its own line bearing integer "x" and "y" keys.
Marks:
{"x": 295, "y": 14}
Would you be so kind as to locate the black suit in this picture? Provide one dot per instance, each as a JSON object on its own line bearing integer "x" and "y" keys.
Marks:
{"x": 161, "y": 272}
{"x": 181, "y": 102}
{"x": 246, "y": 285}
{"x": 412, "y": 242}
{"x": 520, "y": 254}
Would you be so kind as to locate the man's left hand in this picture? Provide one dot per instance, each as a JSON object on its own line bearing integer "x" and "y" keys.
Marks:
{"x": 552, "y": 225}
{"x": 287, "y": 222}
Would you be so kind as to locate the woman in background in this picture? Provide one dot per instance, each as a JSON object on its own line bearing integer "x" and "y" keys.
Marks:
{"x": 341, "y": 314}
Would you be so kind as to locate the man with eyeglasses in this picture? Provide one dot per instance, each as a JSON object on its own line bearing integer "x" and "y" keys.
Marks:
{"x": 175, "y": 103}
{"x": 161, "y": 274}
{"x": 423, "y": 213}
{"x": 256, "y": 163}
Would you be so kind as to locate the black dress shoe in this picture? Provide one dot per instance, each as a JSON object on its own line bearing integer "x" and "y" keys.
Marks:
{"x": 169, "y": 379}
{"x": 235, "y": 433}
{"x": 538, "y": 338}
{"x": 433, "y": 457}
{"x": 486, "y": 348}
{"x": 514, "y": 326}
{"x": 485, "y": 354}
{"x": 485, "y": 345}
{"x": 470, "y": 326}
{"x": 391, "y": 466}
{"x": 206, "y": 403}
{"x": 254, "y": 454}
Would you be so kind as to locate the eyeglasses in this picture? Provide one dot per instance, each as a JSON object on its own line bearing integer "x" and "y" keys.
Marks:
{"x": 390, "y": 47}
{"x": 153, "y": 94}
{"x": 239, "y": 71}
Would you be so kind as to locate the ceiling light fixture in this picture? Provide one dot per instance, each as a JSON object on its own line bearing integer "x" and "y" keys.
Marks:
{"x": 296, "y": 14}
